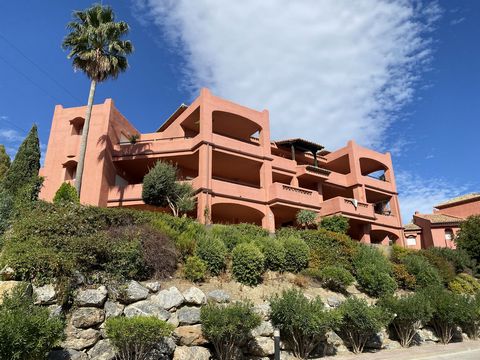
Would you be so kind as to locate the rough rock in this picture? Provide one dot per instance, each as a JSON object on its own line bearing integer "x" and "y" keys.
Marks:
{"x": 146, "y": 308}
{"x": 7, "y": 273}
{"x": 194, "y": 296}
{"x": 92, "y": 297}
{"x": 389, "y": 344}
{"x": 162, "y": 350}
{"x": 78, "y": 339}
{"x": 426, "y": 335}
{"x": 219, "y": 296}
{"x": 133, "y": 292}
{"x": 173, "y": 320}
{"x": 190, "y": 335}
{"x": 45, "y": 295}
{"x": 264, "y": 329}
{"x": 87, "y": 317}
{"x": 67, "y": 354}
{"x": 113, "y": 309}
{"x": 191, "y": 352}
{"x": 376, "y": 341}
{"x": 261, "y": 346}
{"x": 263, "y": 310}
{"x": 153, "y": 286}
{"x": 334, "y": 344}
{"x": 188, "y": 315}
{"x": 55, "y": 310}
{"x": 334, "y": 301}
{"x": 168, "y": 299}
{"x": 102, "y": 350}
{"x": 6, "y": 287}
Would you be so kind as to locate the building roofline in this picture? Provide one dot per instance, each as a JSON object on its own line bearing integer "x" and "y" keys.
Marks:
{"x": 179, "y": 111}
{"x": 459, "y": 200}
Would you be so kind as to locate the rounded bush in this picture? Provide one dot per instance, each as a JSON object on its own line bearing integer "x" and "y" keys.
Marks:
{"x": 213, "y": 251}
{"x": 374, "y": 282}
{"x": 336, "y": 278}
{"x": 425, "y": 274}
{"x": 335, "y": 223}
{"x": 274, "y": 253}
{"x": 296, "y": 254}
{"x": 195, "y": 269}
{"x": 404, "y": 279}
{"x": 66, "y": 193}
{"x": 247, "y": 264}
{"x": 464, "y": 284}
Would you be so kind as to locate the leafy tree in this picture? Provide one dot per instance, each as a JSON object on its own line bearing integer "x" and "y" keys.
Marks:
{"x": 4, "y": 162}
{"x": 468, "y": 238}
{"x": 306, "y": 218}
{"x": 247, "y": 264}
{"x": 96, "y": 47}
{"x": 160, "y": 188}
{"x": 66, "y": 193}
{"x": 335, "y": 223}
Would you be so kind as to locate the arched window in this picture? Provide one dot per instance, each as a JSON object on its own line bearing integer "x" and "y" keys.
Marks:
{"x": 448, "y": 234}
{"x": 70, "y": 170}
{"x": 411, "y": 240}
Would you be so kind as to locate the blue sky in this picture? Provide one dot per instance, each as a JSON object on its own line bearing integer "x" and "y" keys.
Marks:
{"x": 400, "y": 76}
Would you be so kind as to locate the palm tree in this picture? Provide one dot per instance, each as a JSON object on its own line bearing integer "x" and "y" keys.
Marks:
{"x": 96, "y": 47}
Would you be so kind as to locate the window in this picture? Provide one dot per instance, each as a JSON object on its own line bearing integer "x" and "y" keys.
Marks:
{"x": 448, "y": 234}
{"x": 70, "y": 170}
{"x": 77, "y": 125}
{"x": 411, "y": 240}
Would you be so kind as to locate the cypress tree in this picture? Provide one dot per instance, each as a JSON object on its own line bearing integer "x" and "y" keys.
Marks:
{"x": 4, "y": 162}
{"x": 25, "y": 166}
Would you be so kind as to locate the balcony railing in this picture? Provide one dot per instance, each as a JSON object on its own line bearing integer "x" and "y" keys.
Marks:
{"x": 295, "y": 195}
{"x": 341, "y": 205}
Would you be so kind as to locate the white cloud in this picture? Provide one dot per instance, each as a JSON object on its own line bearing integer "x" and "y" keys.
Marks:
{"x": 419, "y": 194}
{"x": 328, "y": 70}
{"x": 10, "y": 135}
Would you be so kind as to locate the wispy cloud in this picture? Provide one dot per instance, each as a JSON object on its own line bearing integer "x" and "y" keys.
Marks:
{"x": 328, "y": 70}
{"x": 10, "y": 135}
{"x": 457, "y": 21}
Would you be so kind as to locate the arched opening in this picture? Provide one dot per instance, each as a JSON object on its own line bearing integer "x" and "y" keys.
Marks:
{"x": 382, "y": 237}
{"x": 374, "y": 169}
{"x": 234, "y": 126}
{"x": 231, "y": 213}
{"x": 77, "y": 125}
{"x": 70, "y": 170}
{"x": 191, "y": 125}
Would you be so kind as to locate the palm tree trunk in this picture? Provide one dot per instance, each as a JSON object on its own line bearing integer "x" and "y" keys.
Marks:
{"x": 83, "y": 144}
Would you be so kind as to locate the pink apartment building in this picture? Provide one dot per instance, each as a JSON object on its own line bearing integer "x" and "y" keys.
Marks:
{"x": 440, "y": 228}
{"x": 239, "y": 173}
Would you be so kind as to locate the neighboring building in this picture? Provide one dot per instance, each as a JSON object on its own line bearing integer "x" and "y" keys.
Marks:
{"x": 240, "y": 175}
{"x": 440, "y": 228}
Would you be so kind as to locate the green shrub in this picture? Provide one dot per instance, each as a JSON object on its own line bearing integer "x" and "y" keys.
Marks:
{"x": 374, "y": 282}
{"x": 134, "y": 338}
{"x": 425, "y": 274}
{"x": 399, "y": 253}
{"x": 6, "y": 210}
{"x": 464, "y": 284}
{"x": 335, "y": 278}
{"x": 296, "y": 254}
{"x": 228, "y": 327}
{"x": 232, "y": 235}
{"x": 66, "y": 193}
{"x": 445, "y": 268}
{"x": 359, "y": 322}
{"x": 27, "y": 332}
{"x": 247, "y": 264}
{"x": 470, "y": 318}
{"x": 335, "y": 223}
{"x": 468, "y": 238}
{"x": 370, "y": 256}
{"x": 409, "y": 313}
{"x": 306, "y": 218}
{"x": 274, "y": 253}
{"x": 458, "y": 257}
{"x": 404, "y": 279}
{"x": 4, "y": 162}
{"x": 195, "y": 269}
{"x": 303, "y": 323}
{"x": 213, "y": 251}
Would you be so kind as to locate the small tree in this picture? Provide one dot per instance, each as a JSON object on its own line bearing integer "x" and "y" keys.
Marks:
{"x": 66, "y": 193}
{"x": 303, "y": 323}
{"x": 468, "y": 238}
{"x": 470, "y": 318}
{"x": 306, "y": 218}
{"x": 228, "y": 327}
{"x": 134, "y": 338}
{"x": 160, "y": 188}
{"x": 335, "y": 223}
{"x": 4, "y": 162}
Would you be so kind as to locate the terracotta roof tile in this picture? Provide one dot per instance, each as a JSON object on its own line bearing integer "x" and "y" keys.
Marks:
{"x": 412, "y": 226}
{"x": 440, "y": 218}
{"x": 458, "y": 199}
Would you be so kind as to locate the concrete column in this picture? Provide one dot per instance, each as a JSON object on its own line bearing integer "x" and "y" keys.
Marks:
{"x": 268, "y": 221}
{"x": 320, "y": 191}
{"x": 294, "y": 181}
{"x": 359, "y": 193}
{"x": 365, "y": 238}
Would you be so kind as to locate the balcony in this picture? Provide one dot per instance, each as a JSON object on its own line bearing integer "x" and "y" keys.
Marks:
{"x": 125, "y": 195}
{"x": 387, "y": 220}
{"x": 313, "y": 172}
{"x": 148, "y": 144}
{"x": 237, "y": 145}
{"x": 377, "y": 183}
{"x": 236, "y": 189}
{"x": 347, "y": 207}
{"x": 294, "y": 195}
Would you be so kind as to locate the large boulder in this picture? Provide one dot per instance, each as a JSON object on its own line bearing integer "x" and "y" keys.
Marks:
{"x": 67, "y": 354}
{"x": 188, "y": 315}
{"x": 78, "y": 339}
{"x": 168, "y": 299}
{"x": 263, "y": 310}
{"x": 92, "y": 297}
{"x": 261, "y": 346}
{"x": 87, "y": 317}
{"x": 102, "y": 350}
{"x": 218, "y": 296}
{"x": 190, "y": 335}
{"x": 147, "y": 308}
{"x": 194, "y": 296}
{"x": 334, "y": 344}
{"x": 264, "y": 329}
{"x": 162, "y": 350}
{"x": 153, "y": 286}
{"x": 191, "y": 353}
{"x": 113, "y": 309}
{"x": 133, "y": 292}
{"x": 45, "y": 295}
{"x": 426, "y": 335}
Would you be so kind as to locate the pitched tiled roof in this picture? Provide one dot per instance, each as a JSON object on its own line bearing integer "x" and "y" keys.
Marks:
{"x": 458, "y": 199}
{"x": 440, "y": 218}
{"x": 412, "y": 226}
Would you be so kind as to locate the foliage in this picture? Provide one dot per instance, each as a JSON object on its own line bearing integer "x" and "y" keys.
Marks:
{"x": 408, "y": 314}
{"x": 228, "y": 327}
{"x": 27, "y": 332}
{"x": 160, "y": 188}
{"x": 335, "y": 278}
{"x": 425, "y": 274}
{"x": 445, "y": 268}
{"x": 335, "y": 223}
{"x": 359, "y": 322}
{"x": 195, "y": 269}
{"x": 399, "y": 253}
{"x": 306, "y": 218}
{"x": 134, "y": 338}
{"x": 470, "y": 318}
{"x": 296, "y": 254}
{"x": 6, "y": 209}
{"x": 66, "y": 193}
{"x": 369, "y": 255}
{"x": 464, "y": 284}
{"x": 232, "y": 235}
{"x": 303, "y": 323}
{"x": 4, "y": 162}
{"x": 274, "y": 253}
{"x": 404, "y": 279}
{"x": 458, "y": 257}
{"x": 247, "y": 264}
{"x": 213, "y": 251}
{"x": 468, "y": 238}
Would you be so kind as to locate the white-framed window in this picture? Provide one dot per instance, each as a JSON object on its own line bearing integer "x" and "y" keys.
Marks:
{"x": 448, "y": 234}
{"x": 411, "y": 240}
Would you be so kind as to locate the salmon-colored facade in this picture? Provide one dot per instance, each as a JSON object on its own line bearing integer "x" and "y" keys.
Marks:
{"x": 440, "y": 228}
{"x": 239, "y": 173}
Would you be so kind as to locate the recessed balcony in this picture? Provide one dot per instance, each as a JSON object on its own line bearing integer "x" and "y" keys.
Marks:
{"x": 348, "y": 207}
{"x": 294, "y": 195}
